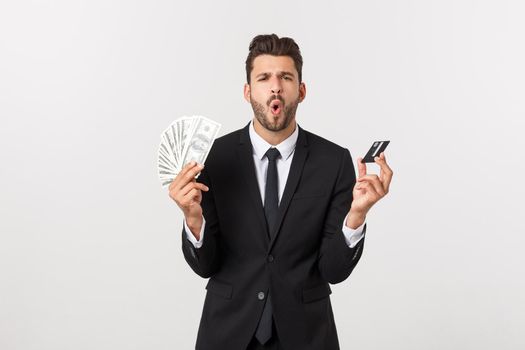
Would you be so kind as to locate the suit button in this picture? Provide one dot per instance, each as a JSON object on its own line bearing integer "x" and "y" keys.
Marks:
{"x": 270, "y": 258}
{"x": 260, "y": 295}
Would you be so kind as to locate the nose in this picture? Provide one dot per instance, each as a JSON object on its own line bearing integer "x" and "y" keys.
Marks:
{"x": 276, "y": 86}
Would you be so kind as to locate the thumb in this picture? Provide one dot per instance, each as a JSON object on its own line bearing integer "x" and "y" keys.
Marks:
{"x": 361, "y": 167}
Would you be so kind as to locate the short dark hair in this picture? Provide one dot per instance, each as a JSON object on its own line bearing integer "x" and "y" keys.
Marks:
{"x": 271, "y": 44}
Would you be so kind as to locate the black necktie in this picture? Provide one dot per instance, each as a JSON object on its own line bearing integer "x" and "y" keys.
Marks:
{"x": 271, "y": 206}
{"x": 271, "y": 197}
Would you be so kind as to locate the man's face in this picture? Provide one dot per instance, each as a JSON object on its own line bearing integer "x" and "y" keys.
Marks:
{"x": 274, "y": 91}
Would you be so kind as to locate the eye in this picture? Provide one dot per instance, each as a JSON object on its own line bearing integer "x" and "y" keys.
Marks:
{"x": 287, "y": 77}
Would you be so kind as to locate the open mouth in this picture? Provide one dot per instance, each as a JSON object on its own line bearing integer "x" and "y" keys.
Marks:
{"x": 275, "y": 107}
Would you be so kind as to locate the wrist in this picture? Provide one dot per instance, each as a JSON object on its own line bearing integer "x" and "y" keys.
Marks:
{"x": 355, "y": 219}
{"x": 194, "y": 224}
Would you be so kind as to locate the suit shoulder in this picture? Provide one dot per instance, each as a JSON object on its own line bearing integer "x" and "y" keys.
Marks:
{"x": 323, "y": 144}
{"x": 229, "y": 138}
{"x": 223, "y": 148}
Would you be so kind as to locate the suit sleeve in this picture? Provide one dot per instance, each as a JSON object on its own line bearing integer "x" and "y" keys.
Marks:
{"x": 336, "y": 258}
{"x": 205, "y": 261}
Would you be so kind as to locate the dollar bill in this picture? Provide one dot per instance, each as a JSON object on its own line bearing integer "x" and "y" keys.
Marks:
{"x": 186, "y": 139}
{"x": 204, "y": 133}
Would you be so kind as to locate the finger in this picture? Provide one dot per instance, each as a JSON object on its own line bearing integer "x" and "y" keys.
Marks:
{"x": 375, "y": 182}
{"x": 359, "y": 185}
{"x": 187, "y": 168}
{"x": 193, "y": 185}
{"x": 386, "y": 172}
{"x": 193, "y": 171}
{"x": 193, "y": 194}
{"x": 188, "y": 175}
{"x": 190, "y": 165}
{"x": 361, "y": 167}
{"x": 369, "y": 190}
{"x": 180, "y": 175}
{"x": 190, "y": 197}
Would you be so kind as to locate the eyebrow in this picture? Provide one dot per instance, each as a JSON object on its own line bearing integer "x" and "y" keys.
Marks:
{"x": 281, "y": 73}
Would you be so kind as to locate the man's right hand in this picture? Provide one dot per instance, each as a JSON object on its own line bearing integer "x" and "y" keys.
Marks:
{"x": 186, "y": 192}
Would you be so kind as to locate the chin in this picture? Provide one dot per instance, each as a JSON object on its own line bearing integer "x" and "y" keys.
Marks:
{"x": 274, "y": 122}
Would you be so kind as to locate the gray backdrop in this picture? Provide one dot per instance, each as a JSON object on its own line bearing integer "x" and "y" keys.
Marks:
{"x": 90, "y": 252}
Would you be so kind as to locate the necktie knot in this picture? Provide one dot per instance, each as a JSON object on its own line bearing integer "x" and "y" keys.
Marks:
{"x": 272, "y": 154}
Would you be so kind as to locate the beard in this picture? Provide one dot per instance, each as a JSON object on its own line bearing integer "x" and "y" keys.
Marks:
{"x": 269, "y": 123}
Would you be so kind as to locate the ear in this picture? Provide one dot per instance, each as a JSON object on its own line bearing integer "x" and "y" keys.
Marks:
{"x": 302, "y": 91}
{"x": 247, "y": 93}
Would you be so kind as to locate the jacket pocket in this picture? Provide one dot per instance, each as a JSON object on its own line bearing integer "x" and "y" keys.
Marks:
{"x": 318, "y": 292}
{"x": 222, "y": 289}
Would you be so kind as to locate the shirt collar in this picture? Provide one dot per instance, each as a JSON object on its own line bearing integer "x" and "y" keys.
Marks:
{"x": 285, "y": 148}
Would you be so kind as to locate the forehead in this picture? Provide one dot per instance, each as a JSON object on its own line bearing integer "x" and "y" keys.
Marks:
{"x": 273, "y": 64}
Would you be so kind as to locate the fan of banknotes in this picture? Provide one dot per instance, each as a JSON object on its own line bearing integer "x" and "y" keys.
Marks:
{"x": 186, "y": 139}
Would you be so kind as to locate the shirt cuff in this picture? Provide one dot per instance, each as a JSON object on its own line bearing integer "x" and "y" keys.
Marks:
{"x": 191, "y": 237}
{"x": 352, "y": 237}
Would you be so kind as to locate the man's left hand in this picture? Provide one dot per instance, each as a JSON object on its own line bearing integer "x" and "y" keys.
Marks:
{"x": 368, "y": 190}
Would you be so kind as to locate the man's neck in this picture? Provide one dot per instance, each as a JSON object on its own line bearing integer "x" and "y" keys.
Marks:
{"x": 274, "y": 137}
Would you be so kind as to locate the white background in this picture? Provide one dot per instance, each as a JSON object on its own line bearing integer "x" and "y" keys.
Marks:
{"x": 90, "y": 252}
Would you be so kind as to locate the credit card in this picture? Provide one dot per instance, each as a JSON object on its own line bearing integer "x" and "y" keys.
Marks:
{"x": 375, "y": 151}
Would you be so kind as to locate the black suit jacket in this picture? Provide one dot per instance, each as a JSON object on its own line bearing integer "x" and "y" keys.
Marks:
{"x": 307, "y": 252}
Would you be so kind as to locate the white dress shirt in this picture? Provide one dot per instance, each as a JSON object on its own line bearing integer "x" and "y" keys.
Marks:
{"x": 286, "y": 149}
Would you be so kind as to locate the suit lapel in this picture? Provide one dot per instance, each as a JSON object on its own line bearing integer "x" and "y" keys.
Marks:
{"x": 245, "y": 153}
{"x": 296, "y": 170}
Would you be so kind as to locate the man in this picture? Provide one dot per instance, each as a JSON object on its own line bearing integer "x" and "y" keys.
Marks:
{"x": 275, "y": 216}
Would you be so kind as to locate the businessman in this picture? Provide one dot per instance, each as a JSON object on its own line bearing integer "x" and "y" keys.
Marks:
{"x": 275, "y": 216}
